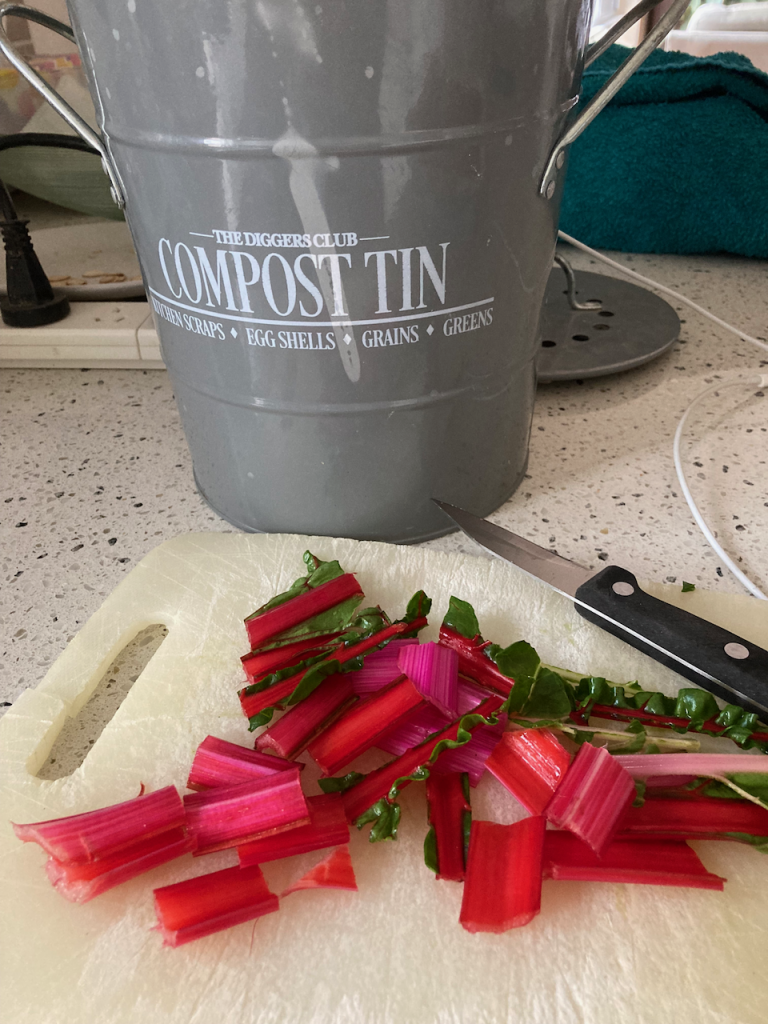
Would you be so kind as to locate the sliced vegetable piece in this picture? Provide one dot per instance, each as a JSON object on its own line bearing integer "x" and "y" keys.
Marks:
{"x": 210, "y": 903}
{"x": 333, "y": 872}
{"x": 258, "y": 664}
{"x": 362, "y": 725}
{"x": 699, "y": 817}
{"x": 414, "y": 728}
{"x": 644, "y": 862}
{"x": 474, "y": 662}
{"x": 450, "y": 815}
{"x": 229, "y": 815}
{"x": 642, "y": 766}
{"x": 301, "y": 723}
{"x": 80, "y": 882}
{"x": 434, "y": 670}
{"x": 380, "y": 667}
{"x": 218, "y": 762}
{"x": 327, "y": 827}
{"x": 502, "y": 889}
{"x": 86, "y": 837}
{"x": 529, "y": 763}
{"x": 378, "y": 783}
{"x": 592, "y": 797}
{"x": 268, "y": 624}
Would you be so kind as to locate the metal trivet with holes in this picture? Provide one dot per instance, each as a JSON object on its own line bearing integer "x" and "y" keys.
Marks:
{"x": 592, "y": 325}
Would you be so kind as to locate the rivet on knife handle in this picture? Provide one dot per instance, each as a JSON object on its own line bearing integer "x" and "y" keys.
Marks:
{"x": 735, "y": 670}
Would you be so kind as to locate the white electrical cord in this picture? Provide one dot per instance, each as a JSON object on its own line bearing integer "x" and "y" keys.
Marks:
{"x": 661, "y": 288}
{"x": 761, "y": 380}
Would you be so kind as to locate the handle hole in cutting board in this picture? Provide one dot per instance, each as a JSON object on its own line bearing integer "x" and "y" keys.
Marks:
{"x": 79, "y": 733}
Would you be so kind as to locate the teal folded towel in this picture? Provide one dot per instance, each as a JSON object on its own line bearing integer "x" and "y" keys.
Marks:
{"x": 677, "y": 162}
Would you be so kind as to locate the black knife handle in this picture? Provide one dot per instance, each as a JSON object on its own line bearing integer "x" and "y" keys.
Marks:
{"x": 738, "y": 679}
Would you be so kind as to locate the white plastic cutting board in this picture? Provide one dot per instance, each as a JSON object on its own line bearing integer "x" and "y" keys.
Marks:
{"x": 393, "y": 953}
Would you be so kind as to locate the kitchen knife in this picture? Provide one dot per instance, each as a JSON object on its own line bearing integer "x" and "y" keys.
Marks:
{"x": 714, "y": 659}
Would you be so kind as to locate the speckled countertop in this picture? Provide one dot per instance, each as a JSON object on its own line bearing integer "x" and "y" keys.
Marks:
{"x": 95, "y": 470}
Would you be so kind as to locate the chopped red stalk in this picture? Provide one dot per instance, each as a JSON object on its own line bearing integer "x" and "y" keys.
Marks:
{"x": 669, "y": 781}
{"x": 333, "y": 872}
{"x": 469, "y": 695}
{"x": 434, "y": 670}
{"x": 662, "y": 862}
{"x": 502, "y": 889}
{"x": 229, "y": 815}
{"x": 529, "y": 763}
{"x": 81, "y": 882}
{"x": 363, "y": 724}
{"x": 86, "y": 837}
{"x": 448, "y": 808}
{"x": 425, "y": 721}
{"x": 380, "y": 667}
{"x": 285, "y": 616}
{"x": 220, "y": 763}
{"x": 475, "y": 663}
{"x": 301, "y": 723}
{"x": 210, "y": 903}
{"x": 258, "y": 664}
{"x": 277, "y": 695}
{"x": 327, "y": 827}
{"x": 699, "y": 817}
{"x": 472, "y": 757}
{"x": 643, "y": 766}
{"x": 592, "y": 797}
{"x": 378, "y": 783}
{"x": 413, "y": 729}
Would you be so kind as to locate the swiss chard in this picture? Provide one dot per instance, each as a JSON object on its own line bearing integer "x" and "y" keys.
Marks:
{"x": 502, "y": 889}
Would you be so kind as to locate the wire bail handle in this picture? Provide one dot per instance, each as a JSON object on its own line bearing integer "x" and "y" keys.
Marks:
{"x": 605, "y": 94}
{"x": 10, "y": 9}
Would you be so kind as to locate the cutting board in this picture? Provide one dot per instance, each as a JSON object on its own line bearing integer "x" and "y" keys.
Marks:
{"x": 393, "y": 952}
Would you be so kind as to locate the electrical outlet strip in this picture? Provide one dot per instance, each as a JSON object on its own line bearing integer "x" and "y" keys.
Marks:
{"x": 95, "y": 335}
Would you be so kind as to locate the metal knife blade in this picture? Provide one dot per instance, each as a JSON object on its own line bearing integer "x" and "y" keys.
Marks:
{"x": 714, "y": 658}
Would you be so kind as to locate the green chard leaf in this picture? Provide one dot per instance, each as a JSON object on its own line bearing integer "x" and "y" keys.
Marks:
{"x": 660, "y": 704}
{"x": 551, "y": 696}
{"x": 342, "y": 784}
{"x": 637, "y": 744}
{"x": 418, "y": 607}
{"x": 430, "y": 850}
{"x": 262, "y": 718}
{"x": 385, "y": 817}
{"x": 760, "y": 843}
{"x": 319, "y": 572}
{"x": 688, "y": 587}
{"x": 640, "y": 786}
{"x": 312, "y": 679}
{"x": 516, "y": 661}
{"x": 332, "y": 620}
{"x": 698, "y": 705}
{"x": 461, "y": 618}
{"x": 323, "y": 572}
